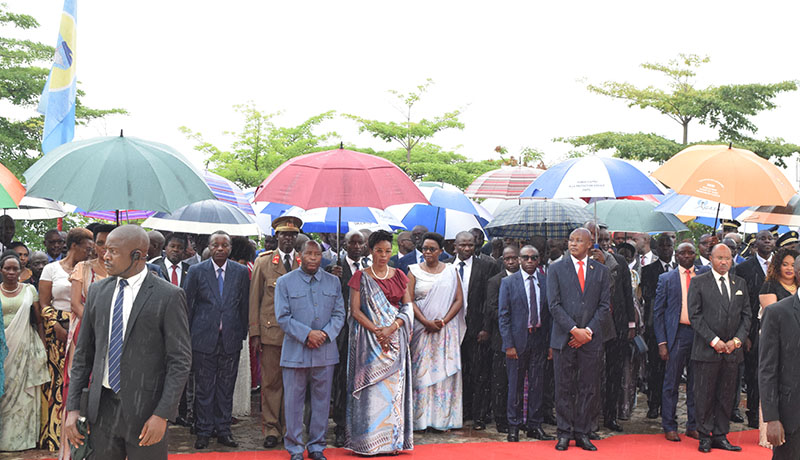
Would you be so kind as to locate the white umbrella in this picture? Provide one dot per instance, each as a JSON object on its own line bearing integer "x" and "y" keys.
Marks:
{"x": 31, "y": 208}
{"x": 204, "y": 217}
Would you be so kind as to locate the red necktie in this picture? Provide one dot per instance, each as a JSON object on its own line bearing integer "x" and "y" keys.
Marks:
{"x": 175, "y": 275}
{"x": 642, "y": 262}
{"x": 581, "y": 277}
{"x": 688, "y": 278}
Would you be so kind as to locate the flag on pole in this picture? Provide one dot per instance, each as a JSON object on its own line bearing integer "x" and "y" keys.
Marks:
{"x": 58, "y": 98}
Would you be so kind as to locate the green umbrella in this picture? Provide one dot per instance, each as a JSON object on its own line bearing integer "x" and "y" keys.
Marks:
{"x": 635, "y": 216}
{"x": 107, "y": 173}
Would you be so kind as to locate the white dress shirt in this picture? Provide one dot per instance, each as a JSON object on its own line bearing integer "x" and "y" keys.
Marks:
{"x": 283, "y": 257}
{"x": 465, "y": 278}
{"x": 129, "y": 295}
{"x": 178, "y": 270}
{"x": 764, "y": 263}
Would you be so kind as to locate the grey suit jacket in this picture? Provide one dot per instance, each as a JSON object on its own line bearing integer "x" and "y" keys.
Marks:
{"x": 156, "y": 352}
{"x": 778, "y": 367}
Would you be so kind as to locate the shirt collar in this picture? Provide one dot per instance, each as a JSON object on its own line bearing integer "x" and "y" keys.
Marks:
{"x": 763, "y": 261}
{"x": 283, "y": 255}
{"x": 136, "y": 280}
{"x": 307, "y": 277}
{"x": 216, "y": 267}
{"x": 467, "y": 262}
{"x": 575, "y": 261}
{"x": 169, "y": 264}
{"x": 352, "y": 262}
{"x": 691, "y": 270}
{"x": 508, "y": 273}
{"x": 717, "y": 275}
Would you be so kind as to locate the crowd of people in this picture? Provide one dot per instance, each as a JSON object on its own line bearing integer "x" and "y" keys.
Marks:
{"x": 133, "y": 329}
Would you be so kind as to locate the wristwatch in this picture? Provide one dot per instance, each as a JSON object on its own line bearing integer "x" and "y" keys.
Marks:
{"x": 737, "y": 342}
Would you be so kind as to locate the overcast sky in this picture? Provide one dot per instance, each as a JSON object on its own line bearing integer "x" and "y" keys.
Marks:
{"x": 517, "y": 69}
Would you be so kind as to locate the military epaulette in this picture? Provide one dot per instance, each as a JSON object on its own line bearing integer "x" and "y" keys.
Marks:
{"x": 265, "y": 253}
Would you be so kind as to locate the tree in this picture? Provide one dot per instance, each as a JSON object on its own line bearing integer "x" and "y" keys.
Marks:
{"x": 260, "y": 146}
{"x": 22, "y": 80}
{"x": 528, "y": 156}
{"x": 409, "y": 133}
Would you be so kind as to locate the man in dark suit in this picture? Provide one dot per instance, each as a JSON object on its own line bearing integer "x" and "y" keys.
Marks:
{"x": 704, "y": 245}
{"x": 754, "y": 271}
{"x": 510, "y": 260}
{"x": 579, "y": 295}
{"x": 779, "y": 374}
{"x": 719, "y": 311}
{"x": 217, "y": 296}
{"x": 525, "y": 323}
{"x": 655, "y": 365}
{"x": 675, "y": 336}
{"x": 134, "y": 344}
{"x": 476, "y": 354}
{"x": 415, "y": 256}
{"x": 404, "y": 246}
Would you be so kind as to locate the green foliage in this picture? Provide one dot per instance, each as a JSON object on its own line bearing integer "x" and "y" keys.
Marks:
{"x": 31, "y": 232}
{"x": 528, "y": 156}
{"x": 260, "y": 146}
{"x": 639, "y": 146}
{"x": 409, "y": 133}
{"x": 22, "y": 80}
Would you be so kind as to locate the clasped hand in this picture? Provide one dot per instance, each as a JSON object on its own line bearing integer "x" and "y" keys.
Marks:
{"x": 725, "y": 347}
{"x": 580, "y": 337}
{"x": 384, "y": 335}
{"x": 315, "y": 339}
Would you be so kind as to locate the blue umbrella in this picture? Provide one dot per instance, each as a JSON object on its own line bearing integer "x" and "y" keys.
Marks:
{"x": 450, "y": 210}
{"x": 685, "y": 205}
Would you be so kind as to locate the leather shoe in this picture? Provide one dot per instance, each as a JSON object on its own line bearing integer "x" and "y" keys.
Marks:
{"x": 270, "y": 442}
{"x": 501, "y": 428}
{"x": 538, "y": 433}
{"x": 736, "y": 417}
{"x": 613, "y": 425}
{"x": 338, "y": 440}
{"x": 562, "y": 444}
{"x": 705, "y": 445}
{"x": 227, "y": 440}
{"x": 478, "y": 425}
{"x": 513, "y": 434}
{"x": 652, "y": 413}
{"x": 317, "y": 455}
{"x": 692, "y": 434}
{"x": 672, "y": 436}
{"x": 584, "y": 443}
{"x": 182, "y": 421}
{"x": 724, "y": 444}
{"x": 752, "y": 422}
{"x": 201, "y": 442}
{"x": 594, "y": 436}
{"x": 296, "y": 457}
{"x": 549, "y": 419}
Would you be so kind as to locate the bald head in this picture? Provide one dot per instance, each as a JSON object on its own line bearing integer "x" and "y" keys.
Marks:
{"x": 126, "y": 249}
{"x": 580, "y": 240}
{"x": 721, "y": 258}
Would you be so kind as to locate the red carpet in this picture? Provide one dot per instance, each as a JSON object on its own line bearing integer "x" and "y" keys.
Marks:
{"x": 622, "y": 447}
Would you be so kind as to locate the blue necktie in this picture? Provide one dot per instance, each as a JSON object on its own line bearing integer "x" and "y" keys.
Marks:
{"x": 421, "y": 259}
{"x": 534, "y": 310}
{"x": 115, "y": 344}
{"x": 220, "y": 280}
{"x": 461, "y": 269}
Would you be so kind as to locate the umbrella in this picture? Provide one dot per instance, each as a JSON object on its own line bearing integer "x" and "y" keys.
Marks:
{"x": 788, "y": 215}
{"x": 450, "y": 211}
{"x": 228, "y": 192}
{"x": 636, "y": 216}
{"x": 11, "y": 189}
{"x": 506, "y": 182}
{"x": 113, "y": 215}
{"x": 550, "y": 219}
{"x": 726, "y": 175}
{"x": 31, "y": 208}
{"x": 117, "y": 173}
{"x": 204, "y": 217}
{"x": 685, "y": 205}
{"x": 496, "y": 205}
{"x": 327, "y": 219}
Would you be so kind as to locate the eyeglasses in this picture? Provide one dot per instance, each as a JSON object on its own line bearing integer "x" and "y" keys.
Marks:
{"x": 529, "y": 257}
{"x": 429, "y": 249}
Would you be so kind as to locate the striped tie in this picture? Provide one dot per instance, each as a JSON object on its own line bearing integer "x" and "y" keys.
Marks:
{"x": 115, "y": 345}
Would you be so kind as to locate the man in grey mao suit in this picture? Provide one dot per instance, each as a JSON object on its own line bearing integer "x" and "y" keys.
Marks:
{"x": 310, "y": 310}
{"x": 134, "y": 344}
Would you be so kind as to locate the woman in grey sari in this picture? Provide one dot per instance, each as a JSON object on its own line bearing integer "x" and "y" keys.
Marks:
{"x": 379, "y": 399}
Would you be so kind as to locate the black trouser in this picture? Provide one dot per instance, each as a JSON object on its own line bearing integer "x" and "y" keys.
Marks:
{"x": 654, "y": 371}
{"x": 751, "y": 380}
{"x": 499, "y": 388}
{"x": 339, "y": 389}
{"x": 186, "y": 406}
{"x": 548, "y": 400}
{"x": 616, "y": 354}
{"x": 714, "y": 386}
{"x": 112, "y": 440}
{"x": 476, "y": 365}
{"x": 577, "y": 377}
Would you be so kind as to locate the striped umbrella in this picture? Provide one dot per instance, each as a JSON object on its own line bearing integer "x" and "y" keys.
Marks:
{"x": 507, "y": 182}
{"x": 11, "y": 189}
{"x": 111, "y": 216}
{"x": 228, "y": 192}
{"x": 550, "y": 219}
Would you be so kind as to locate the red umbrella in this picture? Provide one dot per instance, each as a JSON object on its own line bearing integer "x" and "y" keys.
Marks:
{"x": 339, "y": 178}
{"x": 503, "y": 183}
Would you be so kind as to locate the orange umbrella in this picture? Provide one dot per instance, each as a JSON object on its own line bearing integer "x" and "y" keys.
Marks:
{"x": 11, "y": 189}
{"x": 727, "y": 175}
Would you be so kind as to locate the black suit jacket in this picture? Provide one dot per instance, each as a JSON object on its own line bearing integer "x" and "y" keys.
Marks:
{"x": 779, "y": 368}
{"x": 491, "y": 318}
{"x": 649, "y": 283}
{"x": 754, "y": 276}
{"x": 712, "y": 316}
{"x": 622, "y": 311}
{"x": 156, "y": 352}
{"x": 476, "y": 295}
{"x": 167, "y": 274}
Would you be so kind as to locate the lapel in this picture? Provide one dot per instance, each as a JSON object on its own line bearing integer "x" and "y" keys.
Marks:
{"x": 211, "y": 277}
{"x": 103, "y": 318}
{"x": 138, "y": 303}
{"x": 796, "y": 309}
{"x": 573, "y": 274}
{"x": 229, "y": 282}
{"x": 722, "y": 300}
{"x": 590, "y": 275}
{"x": 472, "y": 274}
{"x": 520, "y": 282}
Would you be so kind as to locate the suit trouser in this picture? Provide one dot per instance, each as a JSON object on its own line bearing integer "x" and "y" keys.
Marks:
{"x": 549, "y": 389}
{"x": 530, "y": 362}
{"x": 678, "y": 359}
{"x": 714, "y": 386}
{"x": 110, "y": 440}
{"x": 186, "y": 406}
{"x": 339, "y": 390}
{"x": 215, "y": 377}
{"x": 476, "y": 359}
{"x": 500, "y": 388}
{"x": 295, "y": 382}
{"x": 577, "y": 377}
{"x": 751, "y": 380}
{"x": 654, "y": 371}
{"x": 790, "y": 450}
{"x": 616, "y": 354}
{"x": 272, "y": 416}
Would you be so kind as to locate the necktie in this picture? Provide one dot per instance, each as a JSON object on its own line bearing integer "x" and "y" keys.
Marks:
{"x": 355, "y": 267}
{"x": 220, "y": 280}
{"x": 365, "y": 262}
{"x": 534, "y": 315}
{"x": 421, "y": 259}
{"x": 688, "y": 278}
{"x": 174, "y": 275}
{"x": 724, "y": 287}
{"x": 115, "y": 343}
{"x": 461, "y": 269}
{"x": 287, "y": 263}
{"x": 642, "y": 262}
{"x": 581, "y": 277}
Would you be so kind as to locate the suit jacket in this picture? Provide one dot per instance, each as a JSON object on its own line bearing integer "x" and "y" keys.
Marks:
{"x": 778, "y": 367}
{"x": 207, "y": 310}
{"x": 713, "y": 316}
{"x": 622, "y": 311}
{"x": 267, "y": 268}
{"x": 754, "y": 276}
{"x": 650, "y": 274}
{"x": 167, "y": 275}
{"x": 513, "y": 310}
{"x": 156, "y": 352}
{"x": 570, "y": 307}
{"x": 303, "y": 305}
{"x": 476, "y": 295}
{"x": 667, "y": 305}
{"x": 491, "y": 317}
{"x": 411, "y": 259}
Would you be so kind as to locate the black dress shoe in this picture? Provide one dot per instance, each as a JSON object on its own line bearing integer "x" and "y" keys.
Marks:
{"x": 562, "y": 444}
{"x": 227, "y": 440}
{"x": 182, "y": 421}
{"x": 338, "y": 440}
{"x": 752, "y": 422}
{"x": 317, "y": 455}
{"x": 296, "y": 457}
{"x": 538, "y": 433}
{"x": 513, "y": 435}
{"x": 584, "y": 443}
{"x": 549, "y": 419}
{"x": 736, "y": 417}
{"x": 594, "y": 436}
{"x": 501, "y": 428}
{"x": 613, "y": 425}
{"x": 724, "y": 444}
{"x": 652, "y": 413}
{"x": 270, "y": 442}
{"x": 201, "y": 442}
{"x": 705, "y": 445}
{"x": 478, "y": 425}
